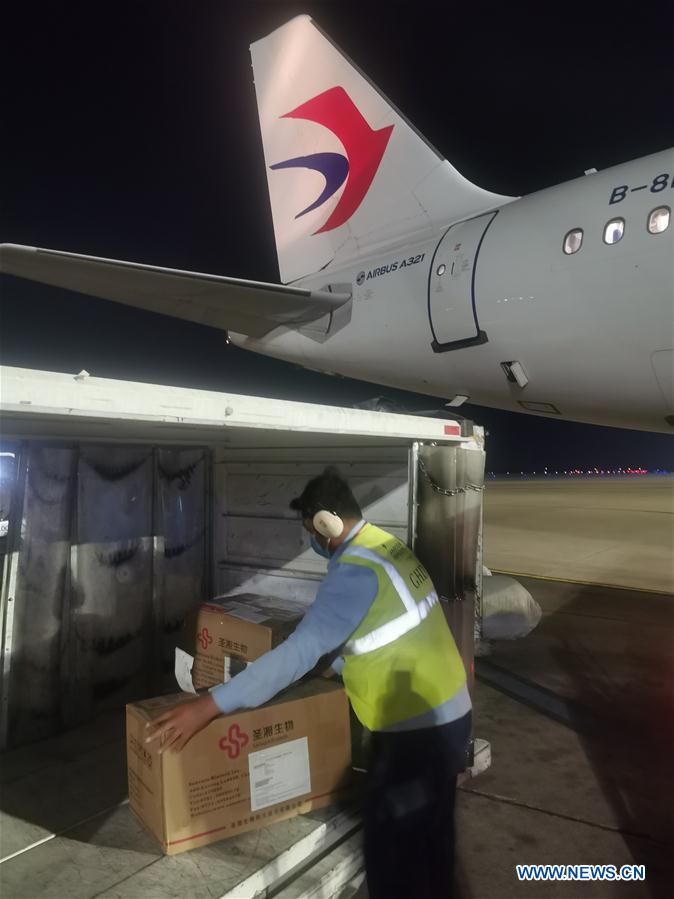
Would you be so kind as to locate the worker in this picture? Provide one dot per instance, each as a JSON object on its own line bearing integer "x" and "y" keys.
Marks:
{"x": 377, "y": 616}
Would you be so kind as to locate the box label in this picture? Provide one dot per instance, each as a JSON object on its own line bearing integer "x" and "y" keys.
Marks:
{"x": 183, "y": 671}
{"x": 279, "y": 773}
{"x": 245, "y": 613}
{"x": 233, "y": 665}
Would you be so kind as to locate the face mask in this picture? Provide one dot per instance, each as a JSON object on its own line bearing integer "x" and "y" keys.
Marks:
{"x": 317, "y": 548}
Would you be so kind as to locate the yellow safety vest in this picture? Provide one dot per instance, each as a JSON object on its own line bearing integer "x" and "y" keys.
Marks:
{"x": 401, "y": 660}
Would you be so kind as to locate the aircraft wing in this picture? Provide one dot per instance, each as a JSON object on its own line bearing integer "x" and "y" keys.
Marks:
{"x": 247, "y": 307}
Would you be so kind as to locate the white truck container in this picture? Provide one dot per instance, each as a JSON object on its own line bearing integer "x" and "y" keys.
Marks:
{"x": 125, "y": 505}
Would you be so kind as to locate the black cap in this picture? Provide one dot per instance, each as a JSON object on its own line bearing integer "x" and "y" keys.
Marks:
{"x": 328, "y": 491}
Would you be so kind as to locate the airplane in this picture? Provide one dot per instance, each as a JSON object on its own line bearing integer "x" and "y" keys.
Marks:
{"x": 397, "y": 270}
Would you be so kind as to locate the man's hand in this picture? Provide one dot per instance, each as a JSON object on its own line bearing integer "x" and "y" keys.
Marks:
{"x": 176, "y": 727}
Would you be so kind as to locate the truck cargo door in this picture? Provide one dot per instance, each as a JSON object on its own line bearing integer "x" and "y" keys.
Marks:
{"x": 446, "y": 483}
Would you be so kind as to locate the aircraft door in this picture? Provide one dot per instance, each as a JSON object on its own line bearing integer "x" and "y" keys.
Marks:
{"x": 451, "y": 286}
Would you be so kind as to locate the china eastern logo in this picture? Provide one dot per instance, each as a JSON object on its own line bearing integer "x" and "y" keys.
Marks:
{"x": 234, "y": 742}
{"x": 336, "y": 111}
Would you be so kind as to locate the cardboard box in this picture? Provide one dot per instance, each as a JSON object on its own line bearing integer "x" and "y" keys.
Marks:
{"x": 231, "y": 631}
{"x": 244, "y": 770}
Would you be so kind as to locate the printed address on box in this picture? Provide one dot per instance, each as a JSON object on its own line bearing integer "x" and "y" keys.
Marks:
{"x": 279, "y": 773}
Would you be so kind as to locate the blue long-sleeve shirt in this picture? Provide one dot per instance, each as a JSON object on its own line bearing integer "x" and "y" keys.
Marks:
{"x": 343, "y": 600}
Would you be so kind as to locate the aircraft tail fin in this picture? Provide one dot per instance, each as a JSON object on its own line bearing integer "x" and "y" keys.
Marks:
{"x": 346, "y": 172}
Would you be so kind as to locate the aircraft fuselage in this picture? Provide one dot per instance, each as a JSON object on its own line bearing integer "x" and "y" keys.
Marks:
{"x": 593, "y": 330}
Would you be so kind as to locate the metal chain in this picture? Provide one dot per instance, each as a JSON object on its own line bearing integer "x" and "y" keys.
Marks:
{"x": 442, "y": 490}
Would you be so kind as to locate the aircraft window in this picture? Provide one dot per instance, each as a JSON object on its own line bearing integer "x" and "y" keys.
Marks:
{"x": 658, "y": 220}
{"x": 573, "y": 241}
{"x": 614, "y": 230}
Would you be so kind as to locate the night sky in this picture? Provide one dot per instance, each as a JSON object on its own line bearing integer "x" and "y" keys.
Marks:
{"x": 130, "y": 131}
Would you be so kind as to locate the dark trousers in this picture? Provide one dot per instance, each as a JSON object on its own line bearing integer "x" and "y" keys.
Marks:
{"x": 409, "y": 811}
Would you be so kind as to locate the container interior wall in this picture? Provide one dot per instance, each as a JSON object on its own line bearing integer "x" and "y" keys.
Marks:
{"x": 182, "y": 550}
{"x": 260, "y": 545}
{"x": 113, "y": 545}
{"x": 109, "y": 557}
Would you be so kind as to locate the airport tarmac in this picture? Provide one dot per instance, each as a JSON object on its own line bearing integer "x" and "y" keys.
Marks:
{"x": 613, "y": 531}
{"x": 600, "y": 790}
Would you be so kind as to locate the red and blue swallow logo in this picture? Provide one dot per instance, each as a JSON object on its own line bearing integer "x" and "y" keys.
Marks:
{"x": 336, "y": 111}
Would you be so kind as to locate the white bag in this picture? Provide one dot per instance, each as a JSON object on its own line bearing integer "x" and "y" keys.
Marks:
{"x": 509, "y": 611}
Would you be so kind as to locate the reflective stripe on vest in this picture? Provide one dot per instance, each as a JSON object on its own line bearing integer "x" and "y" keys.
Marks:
{"x": 390, "y": 631}
{"x": 387, "y": 633}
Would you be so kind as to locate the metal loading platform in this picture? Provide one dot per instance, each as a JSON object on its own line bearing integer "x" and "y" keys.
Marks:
{"x": 66, "y": 829}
